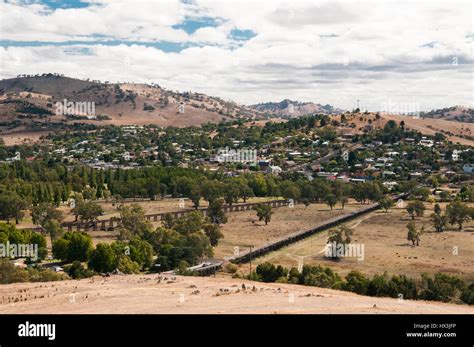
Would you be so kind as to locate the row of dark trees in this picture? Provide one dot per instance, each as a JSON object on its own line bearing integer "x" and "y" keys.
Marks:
{"x": 24, "y": 184}
{"x": 440, "y": 287}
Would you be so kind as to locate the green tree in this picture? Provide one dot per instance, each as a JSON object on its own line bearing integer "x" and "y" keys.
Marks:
{"x": 133, "y": 220}
{"x": 374, "y": 192}
{"x": 413, "y": 234}
{"x": 386, "y": 203}
{"x": 190, "y": 223}
{"x": 163, "y": 190}
{"x": 89, "y": 193}
{"x": 458, "y": 213}
{"x": 77, "y": 271}
{"x": 344, "y": 200}
{"x": 141, "y": 252}
{"x": 267, "y": 272}
{"x": 54, "y": 229}
{"x": 339, "y": 237}
{"x": 40, "y": 241}
{"x": 211, "y": 190}
{"x": 439, "y": 220}
{"x": 467, "y": 295}
{"x": 330, "y": 200}
{"x": 12, "y": 206}
{"x": 103, "y": 258}
{"x": 292, "y": 192}
{"x": 43, "y": 213}
{"x": 231, "y": 193}
{"x": 168, "y": 221}
{"x": 61, "y": 249}
{"x": 127, "y": 265}
{"x": 152, "y": 188}
{"x": 195, "y": 196}
{"x": 216, "y": 211}
{"x": 245, "y": 192}
{"x": 441, "y": 288}
{"x": 264, "y": 212}
{"x": 356, "y": 282}
{"x": 213, "y": 233}
{"x": 415, "y": 208}
{"x": 73, "y": 246}
{"x": 87, "y": 211}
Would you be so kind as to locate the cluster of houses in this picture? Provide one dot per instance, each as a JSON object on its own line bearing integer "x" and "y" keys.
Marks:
{"x": 313, "y": 157}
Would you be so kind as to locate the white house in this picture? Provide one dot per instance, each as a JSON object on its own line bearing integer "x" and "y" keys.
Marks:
{"x": 426, "y": 143}
{"x": 127, "y": 156}
{"x": 456, "y": 154}
{"x": 274, "y": 170}
{"x": 17, "y": 157}
{"x": 392, "y": 154}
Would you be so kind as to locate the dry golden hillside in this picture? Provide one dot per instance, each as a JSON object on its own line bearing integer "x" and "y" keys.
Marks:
{"x": 133, "y": 294}
{"x": 29, "y": 101}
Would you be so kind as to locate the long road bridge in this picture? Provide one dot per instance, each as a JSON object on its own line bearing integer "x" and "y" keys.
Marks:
{"x": 112, "y": 223}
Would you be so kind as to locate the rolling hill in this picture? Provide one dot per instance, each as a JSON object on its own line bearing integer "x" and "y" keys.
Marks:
{"x": 455, "y": 113}
{"x": 153, "y": 294}
{"x": 29, "y": 102}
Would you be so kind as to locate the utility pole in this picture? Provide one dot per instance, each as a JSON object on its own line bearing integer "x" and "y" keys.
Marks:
{"x": 358, "y": 104}
{"x": 250, "y": 259}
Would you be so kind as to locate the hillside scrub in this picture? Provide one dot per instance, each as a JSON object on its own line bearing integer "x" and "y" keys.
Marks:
{"x": 441, "y": 287}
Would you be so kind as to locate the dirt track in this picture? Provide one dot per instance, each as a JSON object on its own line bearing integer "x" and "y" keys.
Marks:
{"x": 143, "y": 294}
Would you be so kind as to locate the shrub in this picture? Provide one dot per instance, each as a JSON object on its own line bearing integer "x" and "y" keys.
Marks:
{"x": 467, "y": 295}
{"x": 319, "y": 277}
{"x": 127, "y": 266}
{"x": 441, "y": 288}
{"x": 405, "y": 286}
{"x": 378, "y": 286}
{"x": 231, "y": 268}
{"x": 73, "y": 246}
{"x": 294, "y": 276}
{"x": 267, "y": 272}
{"x": 103, "y": 258}
{"x": 356, "y": 282}
{"x": 77, "y": 271}
{"x": 11, "y": 274}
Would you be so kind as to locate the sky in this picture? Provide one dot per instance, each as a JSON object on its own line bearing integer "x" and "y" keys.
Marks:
{"x": 381, "y": 53}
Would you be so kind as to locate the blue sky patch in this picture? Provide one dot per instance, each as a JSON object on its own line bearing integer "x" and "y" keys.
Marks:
{"x": 63, "y": 4}
{"x": 242, "y": 35}
{"x": 165, "y": 46}
{"x": 191, "y": 25}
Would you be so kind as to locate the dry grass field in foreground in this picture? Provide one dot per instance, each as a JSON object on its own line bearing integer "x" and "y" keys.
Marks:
{"x": 146, "y": 294}
{"x": 384, "y": 236}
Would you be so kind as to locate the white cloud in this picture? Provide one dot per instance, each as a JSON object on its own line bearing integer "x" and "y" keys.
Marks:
{"x": 323, "y": 52}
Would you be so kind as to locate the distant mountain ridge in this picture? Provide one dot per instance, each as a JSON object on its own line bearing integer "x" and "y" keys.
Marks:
{"x": 292, "y": 108}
